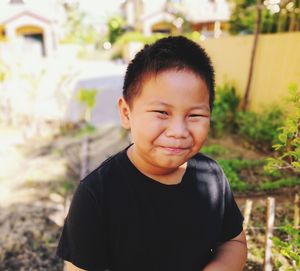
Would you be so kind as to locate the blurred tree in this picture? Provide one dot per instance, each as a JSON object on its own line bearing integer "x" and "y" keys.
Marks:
{"x": 177, "y": 8}
{"x": 257, "y": 16}
{"x": 253, "y": 53}
{"x": 293, "y": 8}
{"x": 78, "y": 29}
{"x": 116, "y": 27}
{"x": 276, "y": 16}
{"x": 242, "y": 20}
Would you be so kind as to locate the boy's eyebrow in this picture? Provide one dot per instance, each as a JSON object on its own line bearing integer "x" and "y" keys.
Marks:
{"x": 160, "y": 103}
{"x": 200, "y": 106}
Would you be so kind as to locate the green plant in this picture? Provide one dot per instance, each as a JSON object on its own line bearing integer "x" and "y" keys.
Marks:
{"x": 77, "y": 28}
{"x": 115, "y": 28}
{"x": 232, "y": 169}
{"x": 87, "y": 129}
{"x": 194, "y": 35}
{"x": 139, "y": 37}
{"x": 288, "y": 149}
{"x": 239, "y": 164}
{"x": 242, "y": 19}
{"x": 224, "y": 111}
{"x": 87, "y": 97}
{"x": 283, "y": 182}
{"x": 288, "y": 146}
{"x": 260, "y": 129}
{"x": 289, "y": 248}
{"x": 66, "y": 186}
{"x": 214, "y": 150}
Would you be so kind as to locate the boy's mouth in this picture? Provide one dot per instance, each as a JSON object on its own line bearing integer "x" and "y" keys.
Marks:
{"x": 174, "y": 150}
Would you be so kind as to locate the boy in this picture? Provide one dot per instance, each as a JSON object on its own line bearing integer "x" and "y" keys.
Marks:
{"x": 158, "y": 205}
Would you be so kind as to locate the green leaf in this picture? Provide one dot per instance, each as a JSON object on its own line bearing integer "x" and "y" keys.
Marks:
{"x": 276, "y": 147}
{"x": 282, "y": 137}
{"x": 296, "y": 165}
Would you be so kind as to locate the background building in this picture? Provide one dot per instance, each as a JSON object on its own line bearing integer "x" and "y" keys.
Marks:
{"x": 210, "y": 17}
{"x": 31, "y": 27}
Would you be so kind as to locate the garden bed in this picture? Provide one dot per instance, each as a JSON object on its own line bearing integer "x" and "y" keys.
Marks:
{"x": 29, "y": 233}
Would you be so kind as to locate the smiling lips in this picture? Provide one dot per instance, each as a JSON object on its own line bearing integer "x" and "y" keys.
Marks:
{"x": 174, "y": 150}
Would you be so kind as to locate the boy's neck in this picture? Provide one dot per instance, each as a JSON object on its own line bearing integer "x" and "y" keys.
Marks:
{"x": 169, "y": 177}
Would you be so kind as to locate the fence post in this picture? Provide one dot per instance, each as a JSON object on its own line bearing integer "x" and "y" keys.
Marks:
{"x": 269, "y": 233}
{"x": 296, "y": 211}
{"x": 248, "y": 208}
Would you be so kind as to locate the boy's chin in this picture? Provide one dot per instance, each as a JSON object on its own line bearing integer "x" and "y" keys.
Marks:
{"x": 170, "y": 165}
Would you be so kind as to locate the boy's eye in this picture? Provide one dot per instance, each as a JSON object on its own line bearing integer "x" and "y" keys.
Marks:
{"x": 198, "y": 116}
{"x": 195, "y": 115}
{"x": 161, "y": 113}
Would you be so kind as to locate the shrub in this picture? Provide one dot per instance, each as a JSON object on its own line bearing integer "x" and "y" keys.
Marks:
{"x": 284, "y": 182}
{"x": 288, "y": 146}
{"x": 224, "y": 112}
{"x": 289, "y": 248}
{"x": 232, "y": 169}
{"x": 139, "y": 37}
{"x": 260, "y": 129}
{"x": 214, "y": 150}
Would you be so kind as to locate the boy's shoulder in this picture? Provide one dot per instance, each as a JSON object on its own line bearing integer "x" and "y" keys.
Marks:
{"x": 108, "y": 171}
{"x": 204, "y": 162}
{"x": 209, "y": 174}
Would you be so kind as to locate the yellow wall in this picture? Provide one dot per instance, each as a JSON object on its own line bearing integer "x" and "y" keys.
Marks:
{"x": 277, "y": 64}
{"x": 23, "y": 30}
{"x": 29, "y": 29}
{"x": 2, "y": 33}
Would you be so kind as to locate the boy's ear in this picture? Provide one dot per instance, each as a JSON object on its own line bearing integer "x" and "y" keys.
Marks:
{"x": 124, "y": 113}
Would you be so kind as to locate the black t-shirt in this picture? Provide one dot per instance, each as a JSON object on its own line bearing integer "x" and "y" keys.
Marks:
{"x": 120, "y": 219}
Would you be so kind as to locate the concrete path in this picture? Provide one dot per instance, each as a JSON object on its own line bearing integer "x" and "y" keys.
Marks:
{"x": 20, "y": 170}
{"x": 107, "y": 77}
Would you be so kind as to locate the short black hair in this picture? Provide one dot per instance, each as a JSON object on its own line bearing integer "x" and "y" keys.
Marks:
{"x": 174, "y": 52}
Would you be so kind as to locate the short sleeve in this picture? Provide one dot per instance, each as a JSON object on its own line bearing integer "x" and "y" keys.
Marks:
{"x": 232, "y": 220}
{"x": 83, "y": 239}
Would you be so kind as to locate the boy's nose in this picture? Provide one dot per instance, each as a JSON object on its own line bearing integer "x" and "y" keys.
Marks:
{"x": 177, "y": 129}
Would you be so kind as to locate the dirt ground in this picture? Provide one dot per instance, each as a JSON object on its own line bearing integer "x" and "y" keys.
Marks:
{"x": 31, "y": 211}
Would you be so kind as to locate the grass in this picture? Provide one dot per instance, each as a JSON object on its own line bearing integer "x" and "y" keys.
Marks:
{"x": 214, "y": 150}
{"x": 280, "y": 183}
{"x": 247, "y": 175}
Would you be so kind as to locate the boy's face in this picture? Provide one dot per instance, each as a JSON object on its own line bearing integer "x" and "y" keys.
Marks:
{"x": 169, "y": 121}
